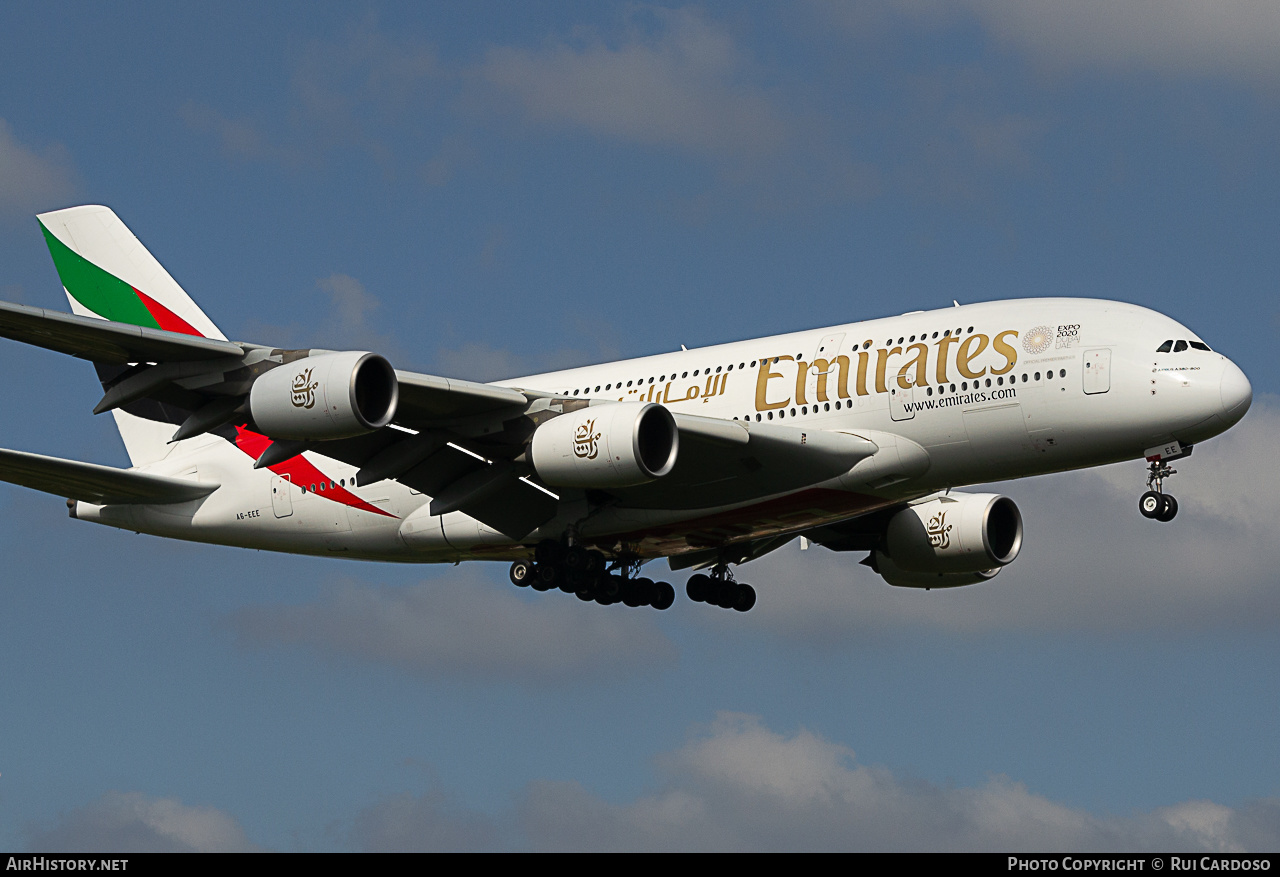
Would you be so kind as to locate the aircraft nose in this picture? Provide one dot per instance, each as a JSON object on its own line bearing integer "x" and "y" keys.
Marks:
{"x": 1237, "y": 393}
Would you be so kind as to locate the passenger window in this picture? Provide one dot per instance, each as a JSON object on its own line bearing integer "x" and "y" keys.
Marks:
{"x": 1165, "y": 347}
{"x": 1179, "y": 347}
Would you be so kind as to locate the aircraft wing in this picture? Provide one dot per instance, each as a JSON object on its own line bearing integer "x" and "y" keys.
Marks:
{"x": 426, "y": 400}
{"x": 100, "y": 485}
{"x": 104, "y": 341}
{"x": 722, "y": 462}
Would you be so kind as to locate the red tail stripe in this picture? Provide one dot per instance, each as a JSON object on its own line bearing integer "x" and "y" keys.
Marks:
{"x": 302, "y": 473}
{"x": 168, "y": 320}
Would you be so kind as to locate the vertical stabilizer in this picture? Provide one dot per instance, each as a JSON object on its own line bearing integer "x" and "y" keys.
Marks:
{"x": 108, "y": 273}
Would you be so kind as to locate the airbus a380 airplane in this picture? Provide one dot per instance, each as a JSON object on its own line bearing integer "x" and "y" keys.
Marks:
{"x": 852, "y": 436}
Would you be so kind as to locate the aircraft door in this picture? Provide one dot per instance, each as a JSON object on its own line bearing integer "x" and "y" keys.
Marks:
{"x": 1097, "y": 371}
{"x": 901, "y": 401}
{"x": 281, "y": 499}
{"x": 824, "y": 370}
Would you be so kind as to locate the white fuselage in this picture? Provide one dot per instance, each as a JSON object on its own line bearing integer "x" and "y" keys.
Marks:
{"x": 958, "y": 396}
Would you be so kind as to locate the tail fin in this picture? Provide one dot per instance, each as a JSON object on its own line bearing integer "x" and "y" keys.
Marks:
{"x": 108, "y": 273}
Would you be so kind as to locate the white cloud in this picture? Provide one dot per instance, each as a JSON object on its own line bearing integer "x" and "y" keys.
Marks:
{"x": 461, "y": 626}
{"x": 130, "y": 822}
{"x": 349, "y": 324}
{"x": 685, "y": 85}
{"x": 738, "y": 785}
{"x": 32, "y": 180}
{"x": 346, "y": 324}
{"x": 478, "y": 361}
{"x": 368, "y": 90}
{"x": 678, "y": 80}
{"x": 430, "y": 823}
{"x": 1235, "y": 37}
{"x": 354, "y": 89}
{"x": 239, "y": 138}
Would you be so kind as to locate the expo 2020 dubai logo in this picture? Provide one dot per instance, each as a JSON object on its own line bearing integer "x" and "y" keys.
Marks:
{"x": 1037, "y": 340}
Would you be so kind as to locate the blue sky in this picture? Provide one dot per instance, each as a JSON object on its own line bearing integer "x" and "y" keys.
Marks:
{"x": 489, "y": 189}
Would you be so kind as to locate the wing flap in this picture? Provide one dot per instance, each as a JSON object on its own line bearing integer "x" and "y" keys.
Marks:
{"x": 104, "y": 341}
{"x": 100, "y": 485}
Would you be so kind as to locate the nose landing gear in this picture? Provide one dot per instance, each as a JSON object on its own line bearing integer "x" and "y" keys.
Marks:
{"x": 1155, "y": 503}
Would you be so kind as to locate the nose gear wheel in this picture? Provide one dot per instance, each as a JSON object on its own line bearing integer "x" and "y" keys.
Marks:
{"x": 1155, "y": 503}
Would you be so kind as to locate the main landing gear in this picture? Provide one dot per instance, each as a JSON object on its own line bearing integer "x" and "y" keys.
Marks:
{"x": 1155, "y": 503}
{"x": 586, "y": 573}
{"x": 719, "y": 589}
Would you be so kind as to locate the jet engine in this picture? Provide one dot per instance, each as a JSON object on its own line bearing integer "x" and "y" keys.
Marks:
{"x": 327, "y": 396}
{"x": 948, "y": 541}
{"x": 620, "y": 444}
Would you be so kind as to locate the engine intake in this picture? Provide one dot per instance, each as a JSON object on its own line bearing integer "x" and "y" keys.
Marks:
{"x": 620, "y": 444}
{"x": 327, "y": 396}
{"x": 959, "y": 539}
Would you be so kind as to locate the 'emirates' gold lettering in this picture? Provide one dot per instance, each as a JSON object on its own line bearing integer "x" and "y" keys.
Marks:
{"x": 762, "y": 385}
{"x": 914, "y": 372}
{"x": 882, "y": 365}
{"x": 1006, "y": 350}
{"x": 966, "y": 353}
{"x": 864, "y": 359}
{"x": 920, "y": 362}
{"x": 947, "y": 341}
{"x": 823, "y": 368}
{"x": 802, "y": 378}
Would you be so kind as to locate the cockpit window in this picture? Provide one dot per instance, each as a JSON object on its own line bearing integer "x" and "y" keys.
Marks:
{"x": 1165, "y": 347}
{"x": 1179, "y": 347}
{"x": 1200, "y": 345}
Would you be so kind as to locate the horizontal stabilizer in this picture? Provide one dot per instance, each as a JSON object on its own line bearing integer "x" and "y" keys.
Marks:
{"x": 105, "y": 341}
{"x": 100, "y": 485}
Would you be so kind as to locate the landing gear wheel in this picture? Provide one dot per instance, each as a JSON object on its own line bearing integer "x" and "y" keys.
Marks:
{"x": 608, "y": 590}
{"x": 665, "y": 596}
{"x": 521, "y": 573}
{"x": 545, "y": 576}
{"x": 746, "y": 598}
{"x": 1152, "y": 504}
{"x": 1155, "y": 503}
{"x": 698, "y": 587}
{"x": 725, "y": 595}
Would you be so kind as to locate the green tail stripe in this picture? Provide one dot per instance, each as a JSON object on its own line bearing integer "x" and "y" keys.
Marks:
{"x": 103, "y": 293}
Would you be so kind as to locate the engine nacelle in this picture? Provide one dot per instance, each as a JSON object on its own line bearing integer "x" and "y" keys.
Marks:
{"x": 620, "y": 444}
{"x": 327, "y": 396}
{"x": 901, "y": 578}
{"x": 959, "y": 539}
